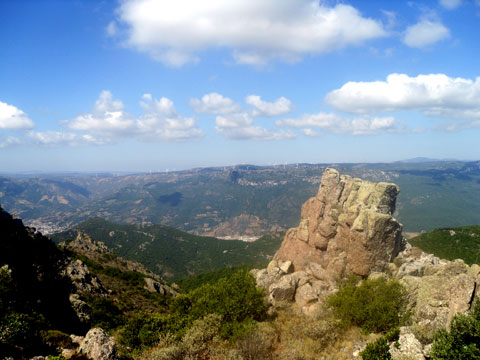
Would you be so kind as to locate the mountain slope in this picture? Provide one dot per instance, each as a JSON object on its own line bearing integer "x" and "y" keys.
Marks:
{"x": 452, "y": 243}
{"x": 173, "y": 253}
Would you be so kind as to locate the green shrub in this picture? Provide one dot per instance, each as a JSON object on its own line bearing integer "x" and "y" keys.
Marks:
{"x": 56, "y": 339}
{"x": 379, "y": 350}
{"x": 236, "y": 300}
{"x": 462, "y": 342}
{"x": 106, "y": 314}
{"x": 142, "y": 330}
{"x": 375, "y": 305}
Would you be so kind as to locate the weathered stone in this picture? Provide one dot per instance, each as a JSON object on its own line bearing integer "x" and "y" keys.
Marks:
{"x": 283, "y": 289}
{"x": 81, "y": 308}
{"x": 81, "y": 278}
{"x": 347, "y": 228}
{"x": 305, "y": 294}
{"x": 286, "y": 267}
{"x": 408, "y": 347}
{"x": 97, "y": 345}
{"x": 155, "y": 286}
{"x": 264, "y": 279}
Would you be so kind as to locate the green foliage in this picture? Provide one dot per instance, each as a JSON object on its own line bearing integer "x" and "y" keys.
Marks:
{"x": 236, "y": 300}
{"x": 55, "y": 339}
{"x": 374, "y": 305}
{"x": 106, "y": 314}
{"x": 452, "y": 243}
{"x": 175, "y": 254}
{"x": 211, "y": 277}
{"x": 379, "y": 350}
{"x": 462, "y": 342}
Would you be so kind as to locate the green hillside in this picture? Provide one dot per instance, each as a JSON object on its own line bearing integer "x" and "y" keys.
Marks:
{"x": 452, "y": 243}
{"x": 172, "y": 253}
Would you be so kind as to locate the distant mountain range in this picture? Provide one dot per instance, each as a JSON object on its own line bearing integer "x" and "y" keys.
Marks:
{"x": 244, "y": 200}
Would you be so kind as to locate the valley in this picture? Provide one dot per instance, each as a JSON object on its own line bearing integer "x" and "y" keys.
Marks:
{"x": 238, "y": 201}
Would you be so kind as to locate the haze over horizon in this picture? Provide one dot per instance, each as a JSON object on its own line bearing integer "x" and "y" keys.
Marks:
{"x": 140, "y": 85}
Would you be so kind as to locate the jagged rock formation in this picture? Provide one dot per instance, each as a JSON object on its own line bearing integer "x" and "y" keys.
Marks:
{"x": 347, "y": 228}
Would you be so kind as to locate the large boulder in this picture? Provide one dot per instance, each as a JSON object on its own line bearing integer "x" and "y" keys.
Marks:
{"x": 347, "y": 228}
{"x": 97, "y": 345}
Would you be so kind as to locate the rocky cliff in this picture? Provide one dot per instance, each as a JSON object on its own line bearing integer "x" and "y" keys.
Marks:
{"x": 348, "y": 228}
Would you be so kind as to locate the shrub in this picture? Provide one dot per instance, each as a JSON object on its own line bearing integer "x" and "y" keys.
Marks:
{"x": 106, "y": 314}
{"x": 375, "y": 305}
{"x": 236, "y": 299}
{"x": 462, "y": 342}
{"x": 379, "y": 350}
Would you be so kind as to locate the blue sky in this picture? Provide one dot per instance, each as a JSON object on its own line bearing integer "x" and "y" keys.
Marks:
{"x": 139, "y": 85}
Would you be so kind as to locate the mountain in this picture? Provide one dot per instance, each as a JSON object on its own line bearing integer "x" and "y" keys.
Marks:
{"x": 49, "y": 292}
{"x": 238, "y": 201}
{"x": 172, "y": 253}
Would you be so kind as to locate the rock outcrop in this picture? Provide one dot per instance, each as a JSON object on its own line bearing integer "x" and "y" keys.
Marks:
{"x": 97, "y": 345}
{"x": 347, "y": 228}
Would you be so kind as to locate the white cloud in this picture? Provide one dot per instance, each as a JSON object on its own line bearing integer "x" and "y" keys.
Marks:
{"x": 240, "y": 126}
{"x": 159, "y": 122}
{"x": 162, "y": 122}
{"x": 215, "y": 103}
{"x": 9, "y": 141}
{"x": 174, "y": 32}
{"x": 450, "y": 4}
{"x": 425, "y": 33}
{"x": 328, "y": 122}
{"x": 434, "y": 95}
{"x": 107, "y": 118}
{"x": 268, "y": 109}
{"x": 12, "y": 118}
{"x": 235, "y": 122}
{"x": 58, "y": 138}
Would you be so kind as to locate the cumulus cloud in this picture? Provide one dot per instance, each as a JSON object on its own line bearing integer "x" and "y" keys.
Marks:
{"x": 162, "y": 122}
{"x": 175, "y": 32}
{"x": 311, "y": 124}
{"x": 450, "y": 4}
{"x": 12, "y": 118}
{"x": 159, "y": 122}
{"x": 215, "y": 103}
{"x": 425, "y": 33}
{"x": 434, "y": 95}
{"x": 268, "y": 109}
{"x": 236, "y": 122}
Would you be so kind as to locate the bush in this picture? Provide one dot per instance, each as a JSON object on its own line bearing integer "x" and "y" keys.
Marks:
{"x": 236, "y": 299}
{"x": 375, "y": 305}
{"x": 106, "y": 314}
{"x": 462, "y": 342}
{"x": 379, "y": 350}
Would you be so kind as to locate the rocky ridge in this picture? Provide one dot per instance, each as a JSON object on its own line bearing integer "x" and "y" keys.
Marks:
{"x": 97, "y": 251}
{"x": 348, "y": 229}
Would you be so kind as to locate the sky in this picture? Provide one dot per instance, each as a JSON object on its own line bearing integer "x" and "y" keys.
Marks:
{"x": 157, "y": 85}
